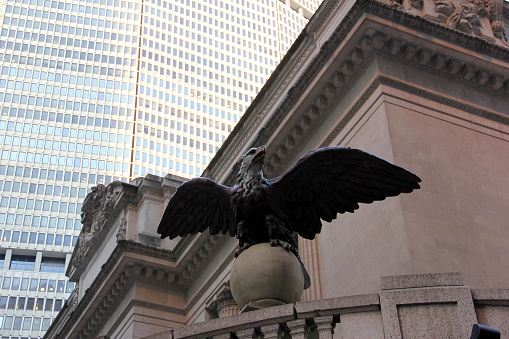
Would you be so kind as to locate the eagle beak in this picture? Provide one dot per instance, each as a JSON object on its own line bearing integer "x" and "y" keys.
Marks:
{"x": 260, "y": 154}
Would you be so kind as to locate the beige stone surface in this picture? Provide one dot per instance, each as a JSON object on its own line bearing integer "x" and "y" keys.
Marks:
{"x": 361, "y": 326}
{"x": 421, "y": 280}
{"x": 429, "y": 321}
{"x": 492, "y": 308}
{"x": 359, "y": 248}
{"x": 401, "y": 308}
{"x": 494, "y": 316}
{"x": 256, "y": 318}
{"x": 457, "y": 221}
{"x": 349, "y": 304}
{"x": 162, "y": 335}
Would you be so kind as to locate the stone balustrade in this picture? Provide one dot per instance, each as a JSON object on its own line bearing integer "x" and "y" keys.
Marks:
{"x": 412, "y": 306}
{"x": 315, "y": 319}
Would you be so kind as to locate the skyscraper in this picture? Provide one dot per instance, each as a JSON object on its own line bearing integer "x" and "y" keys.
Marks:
{"x": 101, "y": 90}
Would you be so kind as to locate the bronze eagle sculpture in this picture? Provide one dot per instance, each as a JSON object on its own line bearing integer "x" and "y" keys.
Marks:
{"x": 323, "y": 183}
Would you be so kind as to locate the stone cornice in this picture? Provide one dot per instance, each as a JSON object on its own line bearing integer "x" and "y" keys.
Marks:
{"x": 126, "y": 275}
{"x": 404, "y": 86}
{"x": 472, "y": 76}
{"x": 323, "y": 15}
{"x": 104, "y": 205}
{"x": 368, "y": 47}
{"x": 130, "y": 271}
{"x": 182, "y": 245}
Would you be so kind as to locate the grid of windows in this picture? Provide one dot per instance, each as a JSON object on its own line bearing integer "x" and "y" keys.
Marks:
{"x": 32, "y": 284}
{"x": 93, "y": 91}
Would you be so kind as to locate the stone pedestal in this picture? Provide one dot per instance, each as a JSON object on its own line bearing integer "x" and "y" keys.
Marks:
{"x": 264, "y": 276}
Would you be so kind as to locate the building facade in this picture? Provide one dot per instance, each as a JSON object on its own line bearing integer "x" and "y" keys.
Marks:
{"x": 101, "y": 90}
{"x": 418, "y": 83}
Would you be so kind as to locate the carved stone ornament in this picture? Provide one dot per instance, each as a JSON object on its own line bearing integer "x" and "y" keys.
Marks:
{"x": 96, "y": 210}
{"x": 73, "y": 300}
{"x": 473, "y": 16}
{"x": 465, "y": 16}
{"x": 122, "y": 229}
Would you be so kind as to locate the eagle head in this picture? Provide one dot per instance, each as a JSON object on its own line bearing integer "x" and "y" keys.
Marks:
{"x": 251, "y": 170}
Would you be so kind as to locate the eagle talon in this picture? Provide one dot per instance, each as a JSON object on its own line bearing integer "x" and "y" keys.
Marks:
{"x": 241, "y": 249}
{"x": 285, "y": 245}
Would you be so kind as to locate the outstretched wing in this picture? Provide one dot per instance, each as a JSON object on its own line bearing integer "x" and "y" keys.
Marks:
{"x": 198, "y": 204}
{"x": 332, "y": 180}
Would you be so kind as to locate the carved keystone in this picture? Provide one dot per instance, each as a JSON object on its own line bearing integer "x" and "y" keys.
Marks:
{"x": 409, "y": 51}
{"x": 496, "y": 81}
{"x": 347, "y": 68}
{"x": 467, "y": 71}
{"x": 290, "y": 142}
{"x": 312, "y": 113}
{"x": 321, "y": 102}
{"x": 438, "y": 61}
{"x": 338, "y": 79}
{"x": 329, "y": 91}
{"x": 452, "y": 66}
{"x": 282, "y": 152}
{"x": 357, "y": 56}
{"x": 394, "y": 46}
{"x": 481, "y": 77}
{"x": 305, "y": 123}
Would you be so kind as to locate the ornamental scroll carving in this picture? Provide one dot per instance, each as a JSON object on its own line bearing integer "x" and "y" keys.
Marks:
{"x": 96, "y": 210}
{"x": 417, "y": 4}
{"x": 122, "y": 230}
{"x": 474, "y": 17}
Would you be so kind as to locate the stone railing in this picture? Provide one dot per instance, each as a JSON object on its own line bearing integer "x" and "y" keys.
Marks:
{"x": 315, "y": 319}
{"x": 412, "y": 306}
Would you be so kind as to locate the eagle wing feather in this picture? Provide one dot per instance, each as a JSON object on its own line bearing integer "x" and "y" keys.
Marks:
{"x": 198, "y": 204}
{"x": 332, "y": 180}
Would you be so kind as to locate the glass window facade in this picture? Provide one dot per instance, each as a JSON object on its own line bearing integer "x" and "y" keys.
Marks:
{"x": 22, "y": 263}
{"x": 93, "y": 91}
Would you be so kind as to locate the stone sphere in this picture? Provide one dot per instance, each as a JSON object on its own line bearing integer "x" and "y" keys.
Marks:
{"x": 264, "y": 273}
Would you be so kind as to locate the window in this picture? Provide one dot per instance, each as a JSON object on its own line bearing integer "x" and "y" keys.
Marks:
{"x": 33, "y": 284}
{"x": 53, "y": 265}
{"x": 43, "y": 285}
{"x": 36, "y": 324}
{"x": 39, "y": 304}
{"x": 26, "y": 323}
{"x": 60, "y": 286}
{"x": 49, "y": 305}
{"x": 22, "y": 262}
{"x": 30, "y": 304}
{"x": 12, "y": 303}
